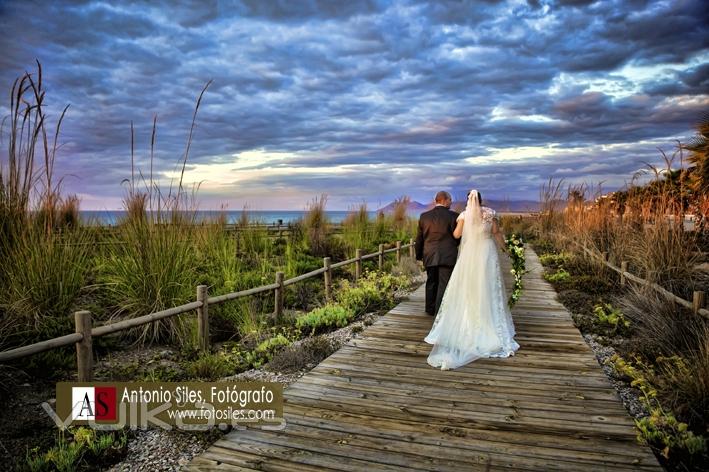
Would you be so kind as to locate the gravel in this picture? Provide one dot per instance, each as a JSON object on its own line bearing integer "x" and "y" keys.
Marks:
{"x": 160, "y": 450}
{"x": 629, "y": 396}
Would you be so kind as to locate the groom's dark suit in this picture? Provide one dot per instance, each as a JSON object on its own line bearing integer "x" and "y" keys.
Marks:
{"x": 438, "y": 249}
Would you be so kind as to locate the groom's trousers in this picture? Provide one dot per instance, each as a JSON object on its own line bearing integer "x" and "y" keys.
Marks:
{"x": 437, "y": 278}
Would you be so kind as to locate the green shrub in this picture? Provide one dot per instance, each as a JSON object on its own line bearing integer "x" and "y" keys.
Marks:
{"x": 164, "y": 373}
{"x": 305, "y": 294}
{"x": 611, "y": 318}
{"x": 310, "y": 351}
{"x": 555, "y": 261}
{"x": 210, "y": 367}
{"x": 683, "y": 384}
{"x": 372, "y": 292}
{"x": 300, "y": 263}
{"x": 561, "y": 275}
{"x": 661, "y": 430}
{"x": 591, "y": 284}
{"x": 265, "y": 350}
{"x": 326, "y": 317}
{"x": 79, "y": 449}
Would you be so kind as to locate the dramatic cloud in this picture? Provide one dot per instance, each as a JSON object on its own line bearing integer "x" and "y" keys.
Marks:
{"x": 362, "y": 100}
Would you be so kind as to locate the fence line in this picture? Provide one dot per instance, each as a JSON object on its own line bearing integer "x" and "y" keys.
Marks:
{"x": 272, "y": 231}
{"x": 698, "y": 298}
{"x": 85, "y": 333}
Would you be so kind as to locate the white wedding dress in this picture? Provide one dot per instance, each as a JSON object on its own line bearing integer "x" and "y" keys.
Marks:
{"x": 474, "y": 319}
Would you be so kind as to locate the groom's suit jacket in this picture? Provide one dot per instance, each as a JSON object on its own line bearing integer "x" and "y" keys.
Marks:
{"x": 435, "y": 244}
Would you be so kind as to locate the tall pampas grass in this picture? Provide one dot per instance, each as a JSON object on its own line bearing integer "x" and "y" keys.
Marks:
{"x": 154, "y": 263}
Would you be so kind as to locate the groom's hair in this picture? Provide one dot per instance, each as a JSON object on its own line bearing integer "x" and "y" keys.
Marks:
{"x": 443, "y": 196}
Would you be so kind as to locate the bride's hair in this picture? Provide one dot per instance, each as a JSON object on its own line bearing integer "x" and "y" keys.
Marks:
{"x": 480, "y": 197}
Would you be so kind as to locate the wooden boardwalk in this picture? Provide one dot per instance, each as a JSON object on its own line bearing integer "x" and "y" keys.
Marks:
{"x": 376, "y": 405}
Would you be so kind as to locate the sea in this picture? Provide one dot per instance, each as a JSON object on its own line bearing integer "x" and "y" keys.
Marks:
{"x": 268, "y": 217}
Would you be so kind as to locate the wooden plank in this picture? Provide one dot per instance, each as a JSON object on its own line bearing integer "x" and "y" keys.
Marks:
{"x": 465, "y": 436}
{"x": 376, "y": 404}
{"x": 461, "y": 450}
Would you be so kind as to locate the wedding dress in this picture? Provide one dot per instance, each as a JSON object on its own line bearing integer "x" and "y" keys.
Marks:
{"x": 474, "y": 319}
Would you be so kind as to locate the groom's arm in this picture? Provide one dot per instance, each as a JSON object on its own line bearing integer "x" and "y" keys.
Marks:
{"x": 456, "y": 226}
{"x": 419, "y": 242}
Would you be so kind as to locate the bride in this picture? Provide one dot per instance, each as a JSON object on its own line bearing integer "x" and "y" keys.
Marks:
{"x": 474, "y": 319}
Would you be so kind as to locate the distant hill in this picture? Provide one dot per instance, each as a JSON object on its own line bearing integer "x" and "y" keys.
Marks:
{"x": 414, "y": 207}
{"x": 497, "y": 205}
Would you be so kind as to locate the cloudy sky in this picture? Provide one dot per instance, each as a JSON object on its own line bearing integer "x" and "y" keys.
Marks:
{"x": 362, "y": 100}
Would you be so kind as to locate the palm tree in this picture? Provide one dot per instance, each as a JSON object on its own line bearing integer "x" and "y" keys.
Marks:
{"x": 699, "y": 157}
{"x": 699, "y": 179}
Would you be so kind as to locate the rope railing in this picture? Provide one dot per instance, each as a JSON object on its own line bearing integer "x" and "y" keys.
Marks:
{"x": 85, "y": 333}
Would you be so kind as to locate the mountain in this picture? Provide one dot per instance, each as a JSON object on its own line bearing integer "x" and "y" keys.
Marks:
{"x": 502, "y": 206}
{"x": 414, "y": 207}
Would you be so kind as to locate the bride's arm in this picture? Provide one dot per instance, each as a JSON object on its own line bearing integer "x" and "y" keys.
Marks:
{"x": 458, "y": 231}
{"x": 499, "y": 238}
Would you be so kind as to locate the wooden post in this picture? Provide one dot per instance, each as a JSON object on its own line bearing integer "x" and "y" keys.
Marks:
{"x": 358, "y": 264}
{"x": 328, "y": 278}
{"x": 697, "y": 301}
{"x": 381, "y": 257}
{"x": 623, "y": 270}
{"x": 412, "y": 253}
{"x": 398, "y": 252}
{"x": 202, "y": 319}
{"x": 278, "y": 313}
{"x": 84, "y": 352}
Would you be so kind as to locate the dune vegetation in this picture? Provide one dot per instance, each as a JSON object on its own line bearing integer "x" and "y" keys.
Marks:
{"x": 53, "y": 265}
{"x": 655, "y": 348}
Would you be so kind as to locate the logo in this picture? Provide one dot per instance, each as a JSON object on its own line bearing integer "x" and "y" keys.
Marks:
{"x": 93, "y": 403}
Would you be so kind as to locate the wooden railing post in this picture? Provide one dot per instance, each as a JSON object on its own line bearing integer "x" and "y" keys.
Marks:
{"x": 697, "y": 301}
{"x": 327, "y": 275}
{"x": 278, "y": 312}
{"x": 202, "y": 319}
{"x": 381, "y": 257}
{"x": 84, "y": 351}
{"x": 412, "y": 253}
{"x": 623, "y": 270}
{"x": 358, "y": 264}
{"x": 398, "y": 252}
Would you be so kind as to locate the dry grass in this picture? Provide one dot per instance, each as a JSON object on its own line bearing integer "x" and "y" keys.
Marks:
{"x": 400, "y": 212}
{"x": 684, "y": 383}
{"x": 660, "y": 327}
{"x": 357, "y": 232}
{"x": 315, "y": 226}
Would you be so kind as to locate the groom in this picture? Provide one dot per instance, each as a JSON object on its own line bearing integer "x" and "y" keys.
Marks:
{"x": 437, "y": 248}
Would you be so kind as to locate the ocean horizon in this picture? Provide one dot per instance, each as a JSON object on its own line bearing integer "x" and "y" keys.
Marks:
{"x": 269, "y": 217}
